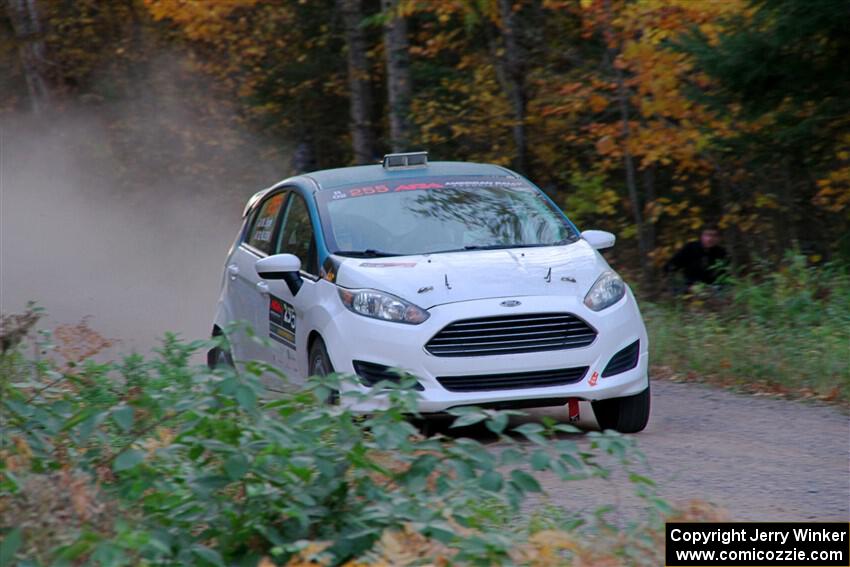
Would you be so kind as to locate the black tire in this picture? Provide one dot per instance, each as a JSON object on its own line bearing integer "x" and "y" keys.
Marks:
{"x": 319, "y": 364}
{"x": 427, "y": 426}
{"x": 219, "y": 357}
{"x": 626, "y": 415}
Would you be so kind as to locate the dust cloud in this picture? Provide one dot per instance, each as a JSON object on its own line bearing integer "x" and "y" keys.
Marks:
{"x": 122, "y": 217}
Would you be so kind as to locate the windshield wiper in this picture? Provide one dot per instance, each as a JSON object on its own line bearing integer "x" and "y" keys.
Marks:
{"x": 495, "y": 247}
{"x": 367, "y": 253}
{"x": 500, "y": 246}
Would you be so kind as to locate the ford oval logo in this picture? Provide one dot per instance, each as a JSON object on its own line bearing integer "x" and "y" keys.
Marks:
{"x": 510, "y": 303}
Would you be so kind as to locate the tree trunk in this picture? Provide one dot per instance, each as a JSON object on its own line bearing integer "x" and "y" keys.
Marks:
{"x": 737, "y": 243}
{"x": 788, "y": 236}
{"x": 398, "y": 75}
{"x": 27, "y": 27}
{"x": 631, "y": 184}
{"x": 360, "y": 96}
{"x": 628, "y": 159}
{"x": 730, "y": 233}
{"x": 649, "y": 193}
{"x": 514, "y": 82}
{"x": 304, "y": 157}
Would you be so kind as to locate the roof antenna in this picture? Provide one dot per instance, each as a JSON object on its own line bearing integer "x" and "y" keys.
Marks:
{"x": 548, "y": 277}
{"x": 448, "y": 285}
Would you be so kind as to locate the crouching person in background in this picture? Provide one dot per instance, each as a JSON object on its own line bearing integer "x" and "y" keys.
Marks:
{"x": 700, "y": 261}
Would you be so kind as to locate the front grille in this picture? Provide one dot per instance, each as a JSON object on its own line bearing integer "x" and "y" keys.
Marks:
{"x": 522, "y": 404}
{"x": 513, "y": 381}
{"x": 624, "y": 360}
{"x": 511, "y": 334}
{"x": 371, "y": 373}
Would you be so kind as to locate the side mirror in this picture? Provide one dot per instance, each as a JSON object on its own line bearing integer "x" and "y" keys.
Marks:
{"x": 599, "y": 239}
{"x": 286, "y": 267}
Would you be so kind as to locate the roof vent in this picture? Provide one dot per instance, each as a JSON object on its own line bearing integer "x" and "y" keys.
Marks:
{"x": 406, "y": 161}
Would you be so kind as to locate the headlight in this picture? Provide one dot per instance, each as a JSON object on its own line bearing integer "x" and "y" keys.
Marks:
{"x": 380, "y": 305}
{"x": 608, "y": 290}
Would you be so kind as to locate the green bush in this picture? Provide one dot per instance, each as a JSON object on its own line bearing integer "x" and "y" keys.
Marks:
{"x": 158, "y": 461}
{"x": 785, "y": 331}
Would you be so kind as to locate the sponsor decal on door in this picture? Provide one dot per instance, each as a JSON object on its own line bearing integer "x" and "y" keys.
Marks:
{"x": 282, "y": 321}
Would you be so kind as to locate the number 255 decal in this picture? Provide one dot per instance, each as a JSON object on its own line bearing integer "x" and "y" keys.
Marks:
{"x": 282, "y": 321}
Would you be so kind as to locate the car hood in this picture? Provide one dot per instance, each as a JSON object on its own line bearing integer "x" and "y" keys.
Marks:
{"x": 436, "y": 279}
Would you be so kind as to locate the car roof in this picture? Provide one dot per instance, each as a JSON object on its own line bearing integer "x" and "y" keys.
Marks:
{"x": 330, "y": 178}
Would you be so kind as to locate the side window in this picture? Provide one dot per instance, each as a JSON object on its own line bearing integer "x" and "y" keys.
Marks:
{"x": 260, "y": 235}
{"x": 296, "y": 234}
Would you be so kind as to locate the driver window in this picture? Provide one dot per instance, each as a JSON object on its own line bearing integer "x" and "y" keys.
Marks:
{"x": 296, "y": 235}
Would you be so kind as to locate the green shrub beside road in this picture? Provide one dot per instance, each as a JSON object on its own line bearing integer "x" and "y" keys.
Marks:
{"x": 160, "y": 462}
{"x": 785, "y": 332}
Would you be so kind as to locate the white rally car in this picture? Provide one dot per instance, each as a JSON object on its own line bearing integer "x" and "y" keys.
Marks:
{"x": 464, "y": 275}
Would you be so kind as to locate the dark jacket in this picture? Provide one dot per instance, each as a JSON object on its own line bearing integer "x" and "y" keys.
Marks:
{"x": 698, "y": 264}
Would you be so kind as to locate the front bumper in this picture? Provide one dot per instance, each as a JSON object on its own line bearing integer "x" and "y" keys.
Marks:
{"x": 352, "y": 337}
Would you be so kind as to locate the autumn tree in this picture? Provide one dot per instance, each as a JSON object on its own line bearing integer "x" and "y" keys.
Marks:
{"x": 785, "y": 65}
{"x": 399, "y": 87}
{"x": 512, "y": 74}
{"x": 26, "y": 22}
{"x": 282, "y": 60}
{"x": 359, "y": 81}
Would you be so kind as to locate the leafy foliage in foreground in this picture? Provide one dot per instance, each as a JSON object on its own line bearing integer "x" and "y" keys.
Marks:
{"x": 782, "y": 332}
{"x": 161, "y": 462}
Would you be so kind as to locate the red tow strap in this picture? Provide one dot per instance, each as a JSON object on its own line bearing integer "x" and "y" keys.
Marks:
{"x": 572, "y": 409}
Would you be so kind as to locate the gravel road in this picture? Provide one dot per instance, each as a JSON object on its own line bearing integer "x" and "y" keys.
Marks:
{"x": 757, "y": 458}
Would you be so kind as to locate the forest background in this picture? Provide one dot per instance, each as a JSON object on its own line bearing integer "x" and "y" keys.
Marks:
{"x": 649, "y": 118}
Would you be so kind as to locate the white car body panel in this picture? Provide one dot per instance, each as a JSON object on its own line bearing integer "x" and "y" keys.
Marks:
{"x": 480, "y": 281}
{"x": 402, "y": 346}
{"x": 478, "y": 274}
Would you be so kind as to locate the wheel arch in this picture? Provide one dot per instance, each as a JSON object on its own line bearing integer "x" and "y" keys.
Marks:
{"x": 222, "y": 316}
{"x": 311, "y": 339}
{"x": 313, "y": 336}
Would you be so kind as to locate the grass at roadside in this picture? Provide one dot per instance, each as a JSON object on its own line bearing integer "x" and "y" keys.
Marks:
{"x": 786, "y": 332}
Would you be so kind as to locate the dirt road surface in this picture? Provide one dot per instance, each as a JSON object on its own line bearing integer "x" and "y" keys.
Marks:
{"x": 757, "y": 458}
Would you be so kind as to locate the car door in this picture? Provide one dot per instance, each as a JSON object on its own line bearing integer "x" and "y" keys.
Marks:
{"x": 286, "y": 312}
{"x": 250, "y": 292}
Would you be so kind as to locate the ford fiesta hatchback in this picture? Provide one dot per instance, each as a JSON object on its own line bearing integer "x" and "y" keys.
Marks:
{"x": 464, "y": 275}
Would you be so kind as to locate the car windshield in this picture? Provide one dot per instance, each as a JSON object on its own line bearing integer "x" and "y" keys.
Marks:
{"x": 427, "y": 216}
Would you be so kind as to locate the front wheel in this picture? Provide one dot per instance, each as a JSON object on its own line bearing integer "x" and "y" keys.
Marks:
{"x": 626, "y": 415}
{"x": 320, "y": 365}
